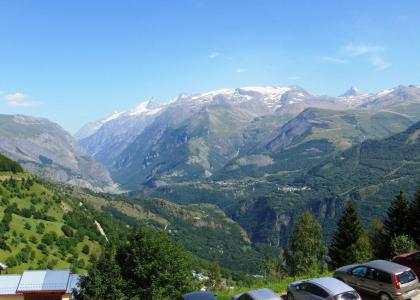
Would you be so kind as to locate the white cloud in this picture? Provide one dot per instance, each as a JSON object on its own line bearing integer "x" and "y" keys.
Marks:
{"x": 15, "y": 97}
{"x": 373, "y": 52}
{"x": 214, "y": 55}
{"x": 19, "y": 99}
{"x": 241, "y": 70}
{"x": 332, "y": 59}
{"x": 361, "y": 49}
{"x": 379, "y": 63}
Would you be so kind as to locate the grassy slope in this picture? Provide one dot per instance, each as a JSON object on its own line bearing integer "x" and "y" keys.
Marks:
{"x": 203, "y": 229}
{"x": 40, "y": 198}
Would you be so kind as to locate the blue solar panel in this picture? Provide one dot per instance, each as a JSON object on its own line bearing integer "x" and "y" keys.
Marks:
{"x": 73, "y": 283}
{"x": 9, "y": 284}
{"x": 44, "y": 281}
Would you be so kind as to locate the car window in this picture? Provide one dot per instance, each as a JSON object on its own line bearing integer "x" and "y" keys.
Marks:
{"x": 359, "y": 271}
{"x": 406, "y": 277}
{"x": 378, "y": 275}
{"x": 416, "y": 257}
{"x": 347, "y": 296}
{"x": 316, "y": 290}
{"x": 245, "y": 297}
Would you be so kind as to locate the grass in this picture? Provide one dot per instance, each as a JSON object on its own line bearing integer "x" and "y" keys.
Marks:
{"x": 279, "y": 287}
{"x": 40, "y": 197}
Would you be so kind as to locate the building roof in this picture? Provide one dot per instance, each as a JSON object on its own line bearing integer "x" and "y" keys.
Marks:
{"x": 73, "y": 283}
{"x": 333, "y": 285}
{"x": 34, "y": 281}
{"x": 9, "y": 284}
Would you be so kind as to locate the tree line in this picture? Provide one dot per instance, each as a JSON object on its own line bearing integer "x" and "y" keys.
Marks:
{"x": 308, "y": 254}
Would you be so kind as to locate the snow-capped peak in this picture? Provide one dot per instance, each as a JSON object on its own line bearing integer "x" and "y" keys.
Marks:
{"x": 148, "y": 107}
{"x": 352, "y": 92}
{"x": 266, "y": 89}
{"x": 111, "y": 117}
{"x": 385, "y": 92}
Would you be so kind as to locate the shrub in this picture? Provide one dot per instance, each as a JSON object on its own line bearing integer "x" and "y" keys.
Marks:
{"x": 402, "y": 244}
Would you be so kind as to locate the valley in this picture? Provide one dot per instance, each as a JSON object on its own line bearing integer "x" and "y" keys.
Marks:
{"x": 227, "y": 172}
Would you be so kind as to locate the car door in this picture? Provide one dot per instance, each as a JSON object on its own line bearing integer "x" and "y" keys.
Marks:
{"x": 357, "y": 277}
{"x": 301, "y": 291}
{"x": 374, "y": 281}
{"x": 314, "y": 292}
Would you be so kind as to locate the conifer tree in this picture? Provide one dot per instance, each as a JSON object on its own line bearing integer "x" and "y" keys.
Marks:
{"x": 414, "y": 220}
{"x": 396, "y": 219}
{"x": 348, "y": 234}
{"x": 307, "y": 248}
{"x": 377, "y": 238}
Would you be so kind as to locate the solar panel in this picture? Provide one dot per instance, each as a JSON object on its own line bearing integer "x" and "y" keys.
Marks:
{"x": 44, "y": 281}
{"x": 73, "y": 283}
{"x": 9, "y": 284}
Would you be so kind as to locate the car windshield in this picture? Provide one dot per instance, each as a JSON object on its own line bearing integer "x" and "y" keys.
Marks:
{"x": 347, "y": 296}
{"x": 406, "y": 277}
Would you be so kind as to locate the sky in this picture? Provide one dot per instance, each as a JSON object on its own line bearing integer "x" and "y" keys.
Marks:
{"x": 78, "y": 61}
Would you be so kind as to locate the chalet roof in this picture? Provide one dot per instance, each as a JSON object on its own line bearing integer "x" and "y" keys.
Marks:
{"x": 73, "y": 283}
{"x": 9, "y": 284}
{"x": 50, "y": 280}
{"x": 39, "y": 281}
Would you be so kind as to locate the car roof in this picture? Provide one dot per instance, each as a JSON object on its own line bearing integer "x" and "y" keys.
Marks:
{"x": 261, "y": 294}
{"x": 199, "y": 296}
{"x": 386, "y": 266}
{"x": 332, "y": 285}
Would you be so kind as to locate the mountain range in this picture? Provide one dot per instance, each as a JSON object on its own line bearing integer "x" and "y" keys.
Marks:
{"x": 45, "y": 148}
{"x": 260, "y": 154}
{"x": 196, "y": 137}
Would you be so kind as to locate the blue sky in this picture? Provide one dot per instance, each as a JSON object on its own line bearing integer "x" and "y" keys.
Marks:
{"x": 77, "y": 61}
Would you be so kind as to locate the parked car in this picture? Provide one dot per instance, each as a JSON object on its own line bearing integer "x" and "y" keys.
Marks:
{"x": 321, "y": 288}
{"x": 261, "y": 294}
{"x": 383, "y": 278}
{"x": 199, "y": 296}
{"x": 411, "y": 260}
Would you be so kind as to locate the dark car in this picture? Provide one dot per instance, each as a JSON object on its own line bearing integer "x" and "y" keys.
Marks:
{"x": 199, "y": 296}
{"x": 382, "y": 278}
{"x": 411, "y": 260}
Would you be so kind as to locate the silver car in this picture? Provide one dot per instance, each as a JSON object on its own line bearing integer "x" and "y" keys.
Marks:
{"x": 321, "y": 289}
{"x": 383, "y": 278}
{"x": 261, "y": 294}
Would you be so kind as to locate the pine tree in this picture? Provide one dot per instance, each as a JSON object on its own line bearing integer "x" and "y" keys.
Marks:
{"x": 396, "y": 220}
{"x": 307, "y": 248}
{"x": 414, "y": 219}
{"x": 377, "y": 238}
{"x": 348, "y": 233}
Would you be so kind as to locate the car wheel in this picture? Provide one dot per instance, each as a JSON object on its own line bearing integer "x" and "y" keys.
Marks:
{"x": 290, "y": 296}
{"x": 384, "y": 296}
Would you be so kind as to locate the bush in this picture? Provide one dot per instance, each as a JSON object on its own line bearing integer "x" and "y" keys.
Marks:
{"x": 402, "y": 244}
{"x": 140, "y": 270}
{"x": 67, "y": 230}
{"x": 86, "y": 249}
{"x": 40, "y": 228}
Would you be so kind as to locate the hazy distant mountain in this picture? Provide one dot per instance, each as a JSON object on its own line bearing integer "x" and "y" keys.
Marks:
{"x": 352, "y": 92}
{"x": 196, "y": 136}
{"x": 47, "y": 149}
